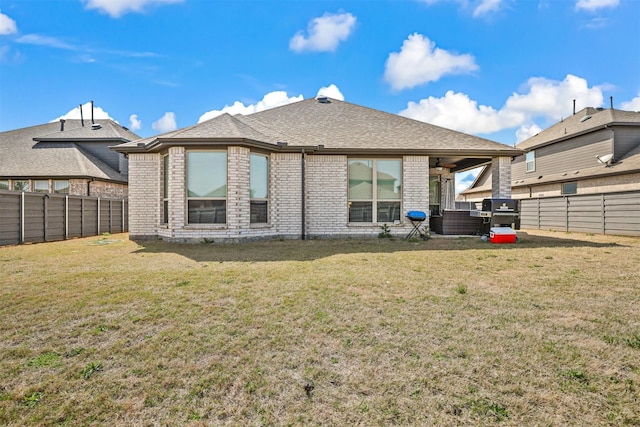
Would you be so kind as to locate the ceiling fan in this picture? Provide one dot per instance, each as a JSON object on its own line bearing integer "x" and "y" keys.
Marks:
{"x": 439, "y": 164}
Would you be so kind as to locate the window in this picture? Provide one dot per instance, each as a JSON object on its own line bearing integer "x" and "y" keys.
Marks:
{"x": 530, "y": 160}
{"x": 207, "y": 187}
{"x": 21, "y": 185}
{"x": 4, "y": 184}
{"x": 374, "y": 200}
{"x": 569, "y": 188}
{"x": 165, "y": 190}
{"x": 259, "y": 192}
{"x": 61, "y": 186}
{"x": 41, "y": 186}
{"x": 434, "y": 194}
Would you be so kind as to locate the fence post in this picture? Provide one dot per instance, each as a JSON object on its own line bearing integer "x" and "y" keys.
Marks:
{"x": 122, "y": 224}
{"x": 45, "y": 214}
{"x": 66, "y": 217}
{"x": 98, "y": 218}
{"x": 22, "y": 217}
{"x": 603, "y": 211}
{"x": 82, "y": 217}
{"x": 110, "y": 217}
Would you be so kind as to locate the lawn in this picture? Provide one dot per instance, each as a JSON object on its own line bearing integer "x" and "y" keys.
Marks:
{"x": 107, "y": 331}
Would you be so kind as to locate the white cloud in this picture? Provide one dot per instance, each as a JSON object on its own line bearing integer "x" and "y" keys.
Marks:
{"x": 49, "y": 41}
{"x": 7, "y": 25}
{"x": 325, "y": 33}
{"x": 134, "y": 122}
{"x": 117, "y": 8}
{"x": 98, "y": 113}
{"x": 166, "y": 123}
{"x": 479, "y": 8}
{"x": 593, "y": 5}
{"x": 541, "y": 98}
{"x": 486, "y": 7}
{"x": 419, "y": 62}
{"x": 270, "y": 100}
{"x": 633, "y": 105}
{"x": 331, "y": 91}
{"x": 457, "y": 111}
{"x": 525, "y": 132}
{"x": 553, "y": 99}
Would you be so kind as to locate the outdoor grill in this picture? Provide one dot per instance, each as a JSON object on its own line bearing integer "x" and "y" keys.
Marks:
{"x": 498, "y": 213}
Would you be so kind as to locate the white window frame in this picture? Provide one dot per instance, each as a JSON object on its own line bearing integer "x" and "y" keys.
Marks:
{"x": 374, "y": 200}
{"x": 530, "y": 161}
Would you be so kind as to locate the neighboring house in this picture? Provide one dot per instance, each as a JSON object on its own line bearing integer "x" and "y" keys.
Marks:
{"x": 70, "y": 157}
{"x": 314, "y": 168}
{"x": 581, "y": 174}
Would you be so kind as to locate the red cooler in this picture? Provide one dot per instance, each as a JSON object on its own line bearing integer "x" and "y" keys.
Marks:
{"x": 502, "y": 235}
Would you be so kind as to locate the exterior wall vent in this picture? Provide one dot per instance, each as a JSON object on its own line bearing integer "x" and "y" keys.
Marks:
{"x": 96, "y": 126}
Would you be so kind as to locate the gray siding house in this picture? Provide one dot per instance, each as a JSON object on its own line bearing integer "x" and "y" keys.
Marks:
{"x": 314, "y": 168}
{"x": 69, "y": 157}
{"x": 581, "y": 174}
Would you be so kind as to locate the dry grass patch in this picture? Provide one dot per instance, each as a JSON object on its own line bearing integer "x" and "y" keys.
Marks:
{"x": 348, "y": 332}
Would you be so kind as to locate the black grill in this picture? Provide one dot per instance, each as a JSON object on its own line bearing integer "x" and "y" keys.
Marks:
{"x": 504, "y": 213}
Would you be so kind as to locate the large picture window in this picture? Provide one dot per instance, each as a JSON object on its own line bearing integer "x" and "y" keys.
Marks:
{"x": 259, "y": 188}
{"x": 374, "y": 199}
{"x": 207, "y": 187}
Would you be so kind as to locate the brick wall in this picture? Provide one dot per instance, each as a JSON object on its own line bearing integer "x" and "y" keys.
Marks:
{"x": 145, "y": 184}
{"x": 501, "y": 177}
{"x": 326, "y": 202}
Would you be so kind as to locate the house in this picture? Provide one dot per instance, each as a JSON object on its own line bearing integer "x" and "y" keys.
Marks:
{"x": 581, "y": 174}
{"x": 318, "y": 167}
{"x": 69, "y": 157}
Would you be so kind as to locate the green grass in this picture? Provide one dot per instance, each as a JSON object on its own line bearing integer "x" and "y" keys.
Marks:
{"x": 346, "y": 332}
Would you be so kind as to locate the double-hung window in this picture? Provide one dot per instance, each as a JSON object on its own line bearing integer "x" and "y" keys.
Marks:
{"x": 207, "y": 187}
{"x": 21, "y": 185}
{"x": 41, "y": 186}
{"x": 61, "y": 186}
{"x": 530, "y": 160}
{"x": 165, "y": 189}
{"x": 375, "y": 190}
{"x": 259, "y": 190}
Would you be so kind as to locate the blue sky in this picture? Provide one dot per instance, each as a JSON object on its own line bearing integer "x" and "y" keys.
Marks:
{"x": 500, "y": 69}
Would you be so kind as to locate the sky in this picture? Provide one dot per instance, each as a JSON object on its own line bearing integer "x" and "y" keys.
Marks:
{"x": 499, "y": 69}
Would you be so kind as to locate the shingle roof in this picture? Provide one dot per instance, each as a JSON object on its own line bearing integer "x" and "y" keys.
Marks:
{"x": 337, "y": 125}
{"x": 585, "y": 120}
{"x": 45, "y": 151}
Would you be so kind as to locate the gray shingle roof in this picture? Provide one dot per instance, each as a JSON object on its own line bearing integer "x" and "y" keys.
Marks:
{"x": 585, "y": 120}
{"x": 45, "y": 151}
{"x": 337, "y": 125}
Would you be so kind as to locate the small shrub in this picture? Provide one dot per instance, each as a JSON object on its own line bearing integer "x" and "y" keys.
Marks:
{"x": 633, "y": 342}
{"x": 385, "y": 233}
{"x": 461, "y": 289}
{"x": 91, "y": 369}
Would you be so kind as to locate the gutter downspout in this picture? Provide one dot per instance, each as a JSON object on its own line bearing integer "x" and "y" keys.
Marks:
{"x": 303, "y": 158}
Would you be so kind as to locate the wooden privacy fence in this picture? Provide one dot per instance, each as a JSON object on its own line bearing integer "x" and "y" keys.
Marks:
{"x": 37, "y": 217}
{"x": 614, "y": 213}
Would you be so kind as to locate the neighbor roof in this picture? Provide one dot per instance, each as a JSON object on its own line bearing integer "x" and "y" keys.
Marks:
{"x": 584, "y": 121}
{"x": 46, "y": 151}
{"x": 338, "y": 126}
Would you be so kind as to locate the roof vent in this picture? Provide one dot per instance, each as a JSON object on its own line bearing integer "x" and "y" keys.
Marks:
{"x": 96, "y": 126}
{"x": 323, "y": 99}
{"x": 585, "y": 118}
{"x": 282, "y": 144}
{"x": 140, "y": 144}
